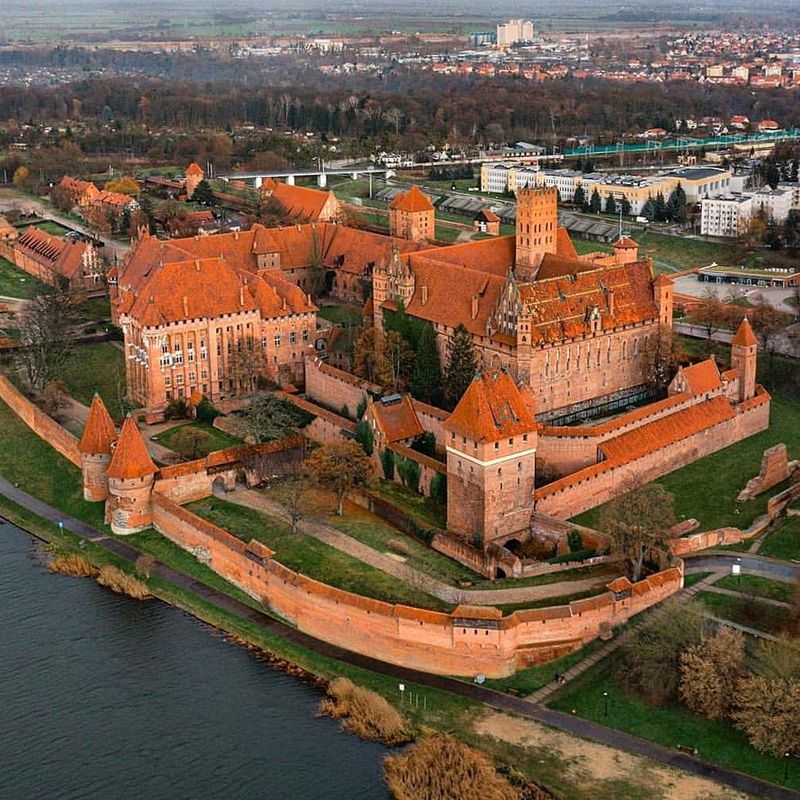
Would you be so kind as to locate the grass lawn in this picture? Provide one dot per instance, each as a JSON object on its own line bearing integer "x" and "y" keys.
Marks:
{"x": 98, "y": 309}
{"x": 342, "y": 315}
{"x": 311, "y": 557}
{"x": 424, "y": 510}
{"x": 53, "y": 228}
{"x": 706, "y": 490}
{"x": 587, "y": 246}
{"x": 784, "y": 541}
{"x": 747, "y": 611}
{"x": 716, "y": 740}
{"x": 681, "y": 252}
{"x": 196, "y": 440}
{"x": 17, "y": 283}
{"x": 695, "y": 577}
{"x": 757, "y": 585}
{"x": 447, "y": 234}
{"x": 97, "y": 368}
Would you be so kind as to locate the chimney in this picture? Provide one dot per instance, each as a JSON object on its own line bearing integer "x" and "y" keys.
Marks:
{"x": 424, "y": 293}
{"x": 197, "y": 264}
{"x": 474, "y": 306}
{"x": 185, "y": 306}
{"x": 241, "y": 295}
{"x": 236, "y": 236}
{"x": 610, "y": 301}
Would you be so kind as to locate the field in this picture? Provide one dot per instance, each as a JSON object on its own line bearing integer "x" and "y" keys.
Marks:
{"x": 16, "y": 283}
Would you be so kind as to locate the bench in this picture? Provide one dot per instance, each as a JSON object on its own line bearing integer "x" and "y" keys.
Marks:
{"x": 690, "y": 751}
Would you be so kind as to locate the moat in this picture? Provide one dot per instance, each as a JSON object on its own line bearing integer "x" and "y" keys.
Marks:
{"x": 107, "y": 697}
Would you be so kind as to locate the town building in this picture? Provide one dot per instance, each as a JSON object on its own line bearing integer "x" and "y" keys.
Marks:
{"x": 725, "y": 215}
{"x": 486, "y": 221}
{"x": 514, "y": 31}
{"x": 301, "y": 202}
{"x": 412, "y": 216}
{"x": 194, "y": 176}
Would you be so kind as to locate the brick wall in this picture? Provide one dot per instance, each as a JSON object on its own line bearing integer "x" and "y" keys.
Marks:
{"x": 334, "y": 388}
{"x": 326, "y": 427}
{"x": 428, "y": 466}
{"x": 45, "y": 427}
{"x": 432, "y": 641}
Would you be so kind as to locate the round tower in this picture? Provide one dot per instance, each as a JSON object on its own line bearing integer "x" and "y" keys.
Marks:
{"x": 95, "y": 448}
{"x": 131, "y": 473}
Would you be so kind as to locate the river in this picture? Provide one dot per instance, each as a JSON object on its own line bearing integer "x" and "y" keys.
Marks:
{"x": 106, "y": 697}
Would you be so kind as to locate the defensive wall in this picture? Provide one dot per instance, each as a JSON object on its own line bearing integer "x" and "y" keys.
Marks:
{"x": 465, "y": 642}
{"x": 600, "y": 482}
{"x": 40, "y": 423}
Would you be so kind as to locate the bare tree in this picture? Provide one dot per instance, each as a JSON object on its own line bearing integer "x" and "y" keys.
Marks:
{"x": 246, "y": 363}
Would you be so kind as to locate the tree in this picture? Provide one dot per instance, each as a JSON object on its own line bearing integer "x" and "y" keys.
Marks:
{"x": 21, "y": 177}
{"x": 367, "y": 362}
{"x": 387, "y": 464}
{"x": 61, "y": 199}
{"x": 462, "y": 364}
{"x": 625, "y": 206}
{"x": 339, "y": 467}
{"x": 708, "y": 671}
{"x": 44, "y": 331}
{"x": 579, "y": 198}
{"x": 711, "y": 314}
{"x": 649, "y": 209}
{"x": 246, "y": 363}
{"x": 293, "y": 495}
{"x": 637, "y": 522}
{"x": 273, "y": 417}
{"x": 611, "y": 205}
{"x": 125, "y": 185}
{"x": 676, "y": 205}
{"x": 203, "y": 194}
{"x": 426, "y": 379}
{"x": 660, "y": 208}
{"x": 397, "y": 361}
{"x": 365, "y": 437}
{"x": 55, "y": 396}
{"x": 661, "y": 359}
{"x": 595, "y": 203}
{"x": 651, "y": 653}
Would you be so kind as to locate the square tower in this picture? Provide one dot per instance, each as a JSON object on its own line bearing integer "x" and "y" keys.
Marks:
{"x": 537, "y": 226}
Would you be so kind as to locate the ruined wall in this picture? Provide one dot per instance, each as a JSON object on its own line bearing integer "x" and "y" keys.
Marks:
{"x": 431, "y": 641}
{"x": 44, "y": 426}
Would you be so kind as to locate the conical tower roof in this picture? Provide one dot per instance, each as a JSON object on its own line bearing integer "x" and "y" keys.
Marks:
{"x": 99, "y": 433}
{"x": 745, "y": 336}
{"x": 130, "y": 459}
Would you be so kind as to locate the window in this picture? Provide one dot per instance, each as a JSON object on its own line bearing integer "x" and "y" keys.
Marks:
{"x": 264, "y": 342}
{"x": 305, "y": 334}
{"x": 191, "y": 377}
{"x": 293, "y": 337}
{"x": 177, "y": 357}
{"x": 167, "y": 380}
{"x": 179, "y": 378}
{"x": 277, "y": 340}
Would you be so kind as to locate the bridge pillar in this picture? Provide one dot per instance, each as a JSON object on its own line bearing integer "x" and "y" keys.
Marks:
{"x": 354, "y": 176}
{"x": 259, "y": 181}
{"x": 322, "y": 180}
{"x": 290, "y": 180}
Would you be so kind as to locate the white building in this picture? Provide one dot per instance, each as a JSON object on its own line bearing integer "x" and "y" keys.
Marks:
{"x": 513, "y": 31}
{"x": 565, "y": 180}
{"x": 494, "y": 177}
{"x": 774, "y": 204}
{"x": 725, "y": 215}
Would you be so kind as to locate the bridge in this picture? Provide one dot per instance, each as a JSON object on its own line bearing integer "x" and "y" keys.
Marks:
{"x": 685, "y": 143}
{"x": 291, "y": 175}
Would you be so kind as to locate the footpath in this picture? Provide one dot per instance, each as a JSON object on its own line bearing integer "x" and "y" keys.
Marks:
{"x": 478, "y": 694}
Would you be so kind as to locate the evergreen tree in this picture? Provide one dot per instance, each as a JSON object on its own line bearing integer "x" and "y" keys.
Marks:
{"x": 676, "y": 205}
{"x": 771, "y": 174}
{"x": 649, "y": 209}
{"x": 462, "y": 364}
{"x": 660, "y": 208}
{"x": 364, "y": 436}
{"x": 611, "y": 205}
{"x": 204, "y": 194}
{"x": 595, "y": 203}
{"x": 579, "y": 198}
{"x": 426, "y": 379}
{"x": 625, "y": 205}
{"x": 793, "y": 174}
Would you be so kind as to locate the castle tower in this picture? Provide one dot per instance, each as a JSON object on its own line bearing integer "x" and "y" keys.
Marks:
{"x": 537, "y": 225}
{"x": 664, "y": 292}
{"x": 744, "y": 349}
{"x": 130, "y": 482}
{"x": 194, "y": 174}
{"x": 626, "y": 251}
{"x": 491, "y": 439}
{"x": 95, "y": 448}
{"x": 412, "y": 216}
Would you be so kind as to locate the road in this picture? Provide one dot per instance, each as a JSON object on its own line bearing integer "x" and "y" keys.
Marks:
{"x": 783, "y": 345}
{"x": 785, "y": 571}
{"x": 480, "y": 694}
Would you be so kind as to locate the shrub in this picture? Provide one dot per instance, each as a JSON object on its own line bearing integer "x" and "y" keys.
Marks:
{"x": 144, "y": 565}
{"x": 345, "y": 411}
{"x": 365, "y": 713}
{"x": 574, "y": 541}
{"x": 361, "y": 408}
{"x": 176, "y": 409}
{"x": 442, "y": 768}
{"x": 574, "y": 555}
{"x": 206, "y": 412}
{"x": 118, "y": 581}
{"x": 73, "y": 565}
{"x": 364, "y": 436}
{"x": 410, "y": 473}
{"x": 425, "y": 443}
{"x": 387, "y": 463}
{"x": 439, "y": 489}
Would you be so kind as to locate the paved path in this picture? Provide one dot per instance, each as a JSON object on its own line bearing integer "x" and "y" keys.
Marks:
{"x": 250, "y": 498}
{"x": 545, "y": 692}
{"x": 480, "y": 694}
{"x": 785, "y": 571}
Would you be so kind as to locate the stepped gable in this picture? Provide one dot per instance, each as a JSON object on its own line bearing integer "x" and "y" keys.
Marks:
{"x": 99, "y": 432}
{"x": 493, "y": 408}
{"x": 396, "y": 417}
{"x": 702, "y": 377}
{"x": 130, "y": 458}
{"x": 745, "y": 336}
{"x": 64, "y": 256}
{"x": 412, "y": 201}
{"x": 301, "y": 201}
{"x": 562, "y": 307}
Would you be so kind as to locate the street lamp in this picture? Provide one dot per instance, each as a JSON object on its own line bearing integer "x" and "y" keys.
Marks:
{"x": 786, "y": 767}
{"x": 605, "y": 700}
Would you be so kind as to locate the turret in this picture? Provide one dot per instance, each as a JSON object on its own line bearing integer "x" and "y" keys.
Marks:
{"x": 95, "y": 448}
{"x": 194, "y": 174}
{"x": 744, "y": 349}
{"x": 537, "y": 228}
{"x": 664, "y": 291}
{"x": 130, "y": 482}
{"x": 626, "y": 251}
{"x": 412, "y": 216}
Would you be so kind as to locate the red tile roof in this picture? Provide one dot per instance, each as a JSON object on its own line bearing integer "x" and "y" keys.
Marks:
{"x": 745, "y": 336}
{"x": 702, "y": 377}
{"x": 397, "y": 418}
{"x": 99, "y": 433}
{"x": 130, "y": 459}
{"x": 301, "y": 201}
{"x": 194, "y": 169}
{"x": 493, "y": 408}
{"x": 626, "y": 243}
{"x": 487, "y": 215}
{"x": 62, "y": 256}
{"x": 412, "y": 201}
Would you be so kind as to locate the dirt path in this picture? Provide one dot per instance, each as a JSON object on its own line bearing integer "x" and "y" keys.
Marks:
{"x": 419, "y": 580}
{"x": 587, "y": 762}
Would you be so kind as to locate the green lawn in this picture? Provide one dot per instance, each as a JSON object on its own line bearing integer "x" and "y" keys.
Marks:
{"x": 707, "y": 489}
{"x": 98, "y": 309}
{"x": 716, "y": 740}
{"x": 342, "y": 315}
{"x": 695, "y": 577}
{"x": 97, "y": 368}
{"x": 682, "y": 253}
{"x": 747, "y": 611}
{"x": 311, "y": 557}
{"x": 587, "y": 246}
{"x": 784, "y": 541}
{"x": 757, "y": 585}
{"x": 53, "y": 228}
{"x": 196, "y": 440}
{"x": 447, "y": 234}
{"x": 423, "y": 510}
{"x": 17, "y": 283}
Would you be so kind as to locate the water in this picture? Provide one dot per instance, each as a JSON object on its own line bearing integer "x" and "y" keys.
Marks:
{"x": 105, "y": 697}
